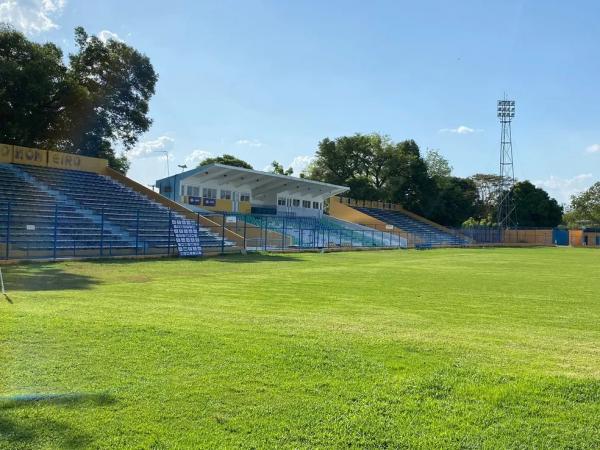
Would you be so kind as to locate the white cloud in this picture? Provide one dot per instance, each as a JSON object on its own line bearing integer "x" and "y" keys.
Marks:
{"x": 31, "y": 16}
{"x": 462, "y": 129}
{"x": 563, "y": 188}
{"x": 249, "y": 142}
{"x": 148, "y": 149}
{"x": 300, "y": 163}
{"x": 106, "y": 35}
{"x": 594, "y": 148}
{"x": 194, "y": 158}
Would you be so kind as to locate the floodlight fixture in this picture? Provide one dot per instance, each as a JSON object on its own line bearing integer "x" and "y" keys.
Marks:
{"x": 506, "y": 109}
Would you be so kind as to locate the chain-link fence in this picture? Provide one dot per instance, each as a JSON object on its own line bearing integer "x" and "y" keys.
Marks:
{"x": 59, "y": 231}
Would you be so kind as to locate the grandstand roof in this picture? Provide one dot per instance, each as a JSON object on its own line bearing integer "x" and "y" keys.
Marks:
{"x": 266, "y": 181}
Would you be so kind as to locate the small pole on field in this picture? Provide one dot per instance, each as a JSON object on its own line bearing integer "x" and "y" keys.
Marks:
{"x": 2, "y": 286}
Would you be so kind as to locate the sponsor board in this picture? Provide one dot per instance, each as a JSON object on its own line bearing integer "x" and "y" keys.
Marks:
{"x": 186, "y": 236}
{"x": 195, "y": 200}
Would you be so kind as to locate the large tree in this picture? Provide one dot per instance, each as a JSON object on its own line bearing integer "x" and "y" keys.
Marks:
{"x": 375, "y": 168}
{"x": 409, "y": 181}
{"x": 33, "y": 82}
{"x": 92, "y": 106}
{"x": 456, "y": 201}
{"x": 487, "y": 197}
{"x": 534, "y": 207}
{"x": 585, "y": 208}
{"x": 226, "y": 160}
{"x": 437, "y": 165}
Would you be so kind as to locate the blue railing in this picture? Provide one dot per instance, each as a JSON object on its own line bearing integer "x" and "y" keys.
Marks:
{"x": 58, "y": 231}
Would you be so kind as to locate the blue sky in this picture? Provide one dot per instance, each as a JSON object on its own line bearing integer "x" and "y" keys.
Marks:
{"x": 267, "y": 80}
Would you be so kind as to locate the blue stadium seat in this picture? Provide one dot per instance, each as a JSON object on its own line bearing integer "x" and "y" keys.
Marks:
{"x": 426, "y": 234}
{"x": 90, "y": 211}
{"x": 311, "y": 232}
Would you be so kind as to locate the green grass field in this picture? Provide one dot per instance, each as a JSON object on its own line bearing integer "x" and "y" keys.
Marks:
{"x": 494, "y": 348}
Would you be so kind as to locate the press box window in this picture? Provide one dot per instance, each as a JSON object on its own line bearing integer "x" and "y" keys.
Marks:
{"x": 316, "y": 205}
{"x": 209, "y": 193}
{"x": 225, "y": 195}
{"x": 296, "y": 203}
{"x": 281, "y": 201}
{"x": 306, "y": 203}
{"x": 193, "y": 191}
{"x": 245, "y": 197}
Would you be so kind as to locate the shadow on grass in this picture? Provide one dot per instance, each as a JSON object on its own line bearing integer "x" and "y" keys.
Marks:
{"x": 255, "y": 258}
{"x": 33, "y": 277}
{"x": 75, "y": 399}
{"x": 234, "y": 257}
{"x": 31, "y": 430}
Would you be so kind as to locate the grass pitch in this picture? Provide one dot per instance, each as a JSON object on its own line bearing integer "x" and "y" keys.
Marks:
{"x": 494, "y": 348}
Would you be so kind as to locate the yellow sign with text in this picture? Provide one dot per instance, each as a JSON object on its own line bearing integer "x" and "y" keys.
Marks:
{"x": 48, "y": 158}
{"x": 68, "y": 161}
{"x": 6, "y": 153}
{"x": 30, "y": 156}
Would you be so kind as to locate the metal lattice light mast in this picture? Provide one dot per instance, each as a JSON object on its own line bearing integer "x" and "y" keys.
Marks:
{"x": 506, "y": 205}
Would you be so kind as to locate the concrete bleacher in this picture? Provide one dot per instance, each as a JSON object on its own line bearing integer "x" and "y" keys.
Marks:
{"x": 66, "y": 211}
{"x": 427, "y": 234}
{"x": 311, "y": 232}
{"x": 33, "y": 214}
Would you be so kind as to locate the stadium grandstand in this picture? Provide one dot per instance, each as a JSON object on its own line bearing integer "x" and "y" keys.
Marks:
{"x": 296, "y": 209}
{"x": 289, "y": 211}
{"x": 391, "y": 216}
{"x": 55, "y": 205}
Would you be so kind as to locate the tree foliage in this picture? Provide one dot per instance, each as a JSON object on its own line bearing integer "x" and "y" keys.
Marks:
{"x": 585, "y": 208}
{"x": 437, "y": 165}
{"x": 32, "y": 84}
{"x": 227, "y": 160}
{"x": 376, "y": 168}
{"x": 456, "y": 201}
{"x": 534, "y": 207}
{"x": 92, "y": 106}
{"x": 279, "y": 170}
{"x": 487, "y": 195}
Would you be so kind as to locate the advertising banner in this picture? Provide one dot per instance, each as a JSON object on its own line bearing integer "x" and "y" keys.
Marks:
{"x": 194, "y": 200}
{"x": 186, "y": 236}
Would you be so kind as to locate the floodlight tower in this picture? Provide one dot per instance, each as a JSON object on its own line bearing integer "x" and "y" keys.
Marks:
{"x": 506, "y": 205}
